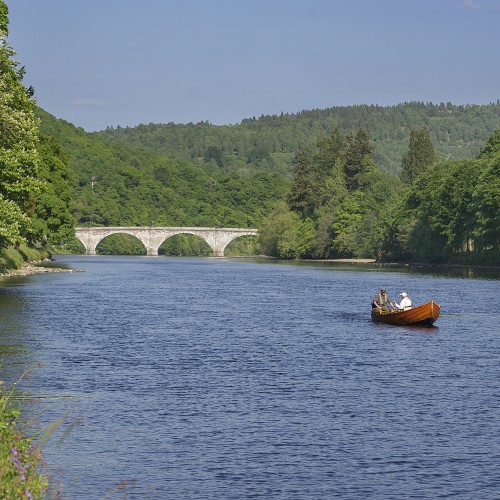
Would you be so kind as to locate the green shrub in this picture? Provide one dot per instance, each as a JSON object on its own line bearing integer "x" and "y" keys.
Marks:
{"x": 20, "y": 459}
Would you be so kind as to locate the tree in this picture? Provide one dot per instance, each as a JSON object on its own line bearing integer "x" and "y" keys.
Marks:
{"x": 300, "y": 198}
{"x": 487, "y": 207}
{"x": 283, "y": 234}
{"x": 359, "y": 158}
{"x": 348, "y": 217}
{"x": 52, "y": 218}
{"x": 419, "y": 157}
{"x": 214, "y": 153}
{"x": 492, "y": 146}
{"x": 437, "y": 219}
{"x": 19, "y": 160}
{"x": 318, "y": 175}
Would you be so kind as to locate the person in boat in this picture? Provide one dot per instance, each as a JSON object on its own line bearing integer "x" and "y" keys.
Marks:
{"x": 404, "y": 304}
{"x": 382, "y": 301}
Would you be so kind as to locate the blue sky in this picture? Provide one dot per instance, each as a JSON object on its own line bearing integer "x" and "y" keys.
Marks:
{"x": 99, "y": 63}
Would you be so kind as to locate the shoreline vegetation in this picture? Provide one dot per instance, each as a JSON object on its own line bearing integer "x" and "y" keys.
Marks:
{"x": 27, "y": 261}
{"x": 31, "y": 268}
{"x": 21, "y": 459}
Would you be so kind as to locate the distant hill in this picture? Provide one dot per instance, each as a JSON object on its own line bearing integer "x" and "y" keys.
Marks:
{"x": 270, "y": 142}
{"x": 117, "y": 184}
{"x": 207, "y": 175}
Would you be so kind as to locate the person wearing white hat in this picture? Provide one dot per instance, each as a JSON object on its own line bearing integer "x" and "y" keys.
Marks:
{"x": 405, "y": 302}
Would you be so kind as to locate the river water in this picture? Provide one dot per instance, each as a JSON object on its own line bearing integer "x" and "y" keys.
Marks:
{"x": 192, "y": 378}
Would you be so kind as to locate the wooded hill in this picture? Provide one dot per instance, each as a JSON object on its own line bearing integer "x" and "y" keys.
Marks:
{"x": 270, "y": 142}
{"x": 121, "y": 185}
{"x": 339, "y": 200}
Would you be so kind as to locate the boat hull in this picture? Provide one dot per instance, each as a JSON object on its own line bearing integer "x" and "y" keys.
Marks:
{"x": 426, "y": 315}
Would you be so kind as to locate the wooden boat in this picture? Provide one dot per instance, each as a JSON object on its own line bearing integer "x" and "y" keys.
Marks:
{"x": 425, "y": 314}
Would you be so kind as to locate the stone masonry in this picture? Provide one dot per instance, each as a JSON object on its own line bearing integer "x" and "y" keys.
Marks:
{"x": 153, "y": 237}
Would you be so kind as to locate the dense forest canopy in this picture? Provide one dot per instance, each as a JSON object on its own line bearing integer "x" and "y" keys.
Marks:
{"x": 346, "y": 207}
{"x": 331, "y": 199}
{"x": 118, "y": 185}
{"x": 270, "y": 142}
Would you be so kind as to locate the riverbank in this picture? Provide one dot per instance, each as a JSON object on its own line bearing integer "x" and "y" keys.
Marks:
{"x": 20, "y": 459}
{"x": 13, "y": 259}
{"x": 347, "y": 261}
{"x": 30, "y": 268}
{"x": 449, "y": 265}
{"x": 26, "y": 261}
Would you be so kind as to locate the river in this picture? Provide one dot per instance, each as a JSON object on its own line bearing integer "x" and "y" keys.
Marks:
{"x": 205, "y": 378}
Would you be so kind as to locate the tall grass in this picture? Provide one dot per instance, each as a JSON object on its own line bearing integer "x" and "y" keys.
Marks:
{"x": 13, "y": 258}
{"x": 20, "y": 459}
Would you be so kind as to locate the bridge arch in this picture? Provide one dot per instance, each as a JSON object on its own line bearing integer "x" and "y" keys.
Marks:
{"x": 121, "y": 243}
{"x": 153, "y": 237}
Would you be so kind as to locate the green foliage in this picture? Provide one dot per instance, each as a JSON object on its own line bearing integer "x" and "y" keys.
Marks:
{"x": 492, "y": 146}
{"x": 20, "y": 460}
{"x": 120, "y": 244}
{"x": 486, "y": 207}
{"x": 4, "y": 20}
{"x": 34, "y": 190}
{"x": 450, "y": 214}
{"x": 283, "y": 234}
{"x": 340, "y": 201}
{"x": 318, "y": 175}
{"x": 457, "y": 131}
{"x": 339, "y": 192}
{"x": 70, "y": 245}
{"x": 52, "y": 218}
{"x": 419, "y": 157}
{"x": 118, "y": 186}
{"x": 347, "y": 217}
{"x": 10, "y": 258}
{"x": 19, "y": 161}
{"x": 244, "y": 246}
{"x": 14, "y": 257}
{"x": 358, "y": 158}
{"x": 185, "y": 244}
{"x": 12, "y": 220}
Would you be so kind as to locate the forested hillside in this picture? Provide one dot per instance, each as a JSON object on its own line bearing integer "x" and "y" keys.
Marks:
{"x": 328, "y": 198}
{"x": 115, "y": 184}
{"x": 341, "y": 205}
{"x": 270, "y": 142}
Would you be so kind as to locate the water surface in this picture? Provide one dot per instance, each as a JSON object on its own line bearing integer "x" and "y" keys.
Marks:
{"x": 218, "y": 378}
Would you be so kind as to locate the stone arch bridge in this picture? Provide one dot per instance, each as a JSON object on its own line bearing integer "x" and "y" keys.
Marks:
{"x": 153, "y": 237}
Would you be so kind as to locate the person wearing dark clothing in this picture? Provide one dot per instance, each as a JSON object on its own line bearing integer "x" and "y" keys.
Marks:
{"x": 382, "y": 301}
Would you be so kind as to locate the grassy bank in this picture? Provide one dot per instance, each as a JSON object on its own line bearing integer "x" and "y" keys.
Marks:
{"x": 14, "y": 258}
{"x": 20, "y": 459}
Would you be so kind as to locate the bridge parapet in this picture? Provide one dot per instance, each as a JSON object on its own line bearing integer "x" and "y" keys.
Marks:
{"x": 152, "y": 237}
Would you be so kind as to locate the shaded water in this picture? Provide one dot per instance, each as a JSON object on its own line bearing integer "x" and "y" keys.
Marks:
{"x": 211, "y": 379}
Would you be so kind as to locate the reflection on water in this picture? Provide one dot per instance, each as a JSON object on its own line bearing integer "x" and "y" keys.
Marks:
{"x": 218, "y": 378}
{"x": 13, "y": 332}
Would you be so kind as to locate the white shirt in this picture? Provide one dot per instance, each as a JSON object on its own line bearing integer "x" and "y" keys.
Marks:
{"x": 405, "y": 304}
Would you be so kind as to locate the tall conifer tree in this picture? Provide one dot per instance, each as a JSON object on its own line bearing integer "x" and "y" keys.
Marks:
{"x": 419, "y": 157}
{"x": 359, "y": 158}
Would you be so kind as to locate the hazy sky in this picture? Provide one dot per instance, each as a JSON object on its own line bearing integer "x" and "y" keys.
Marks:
{"x": 99, "y": 63}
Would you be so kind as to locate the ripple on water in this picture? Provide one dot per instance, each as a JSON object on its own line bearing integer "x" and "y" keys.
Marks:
{"x": 206, "y": 378}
